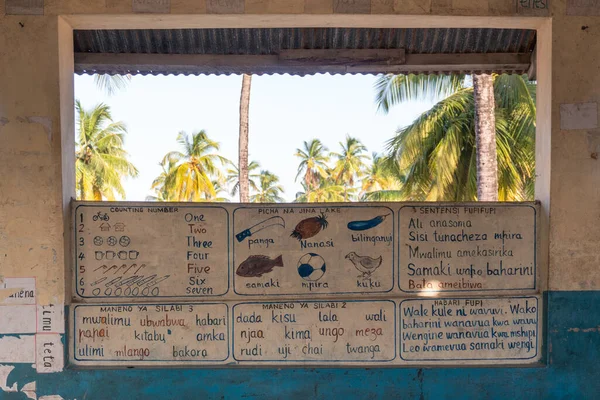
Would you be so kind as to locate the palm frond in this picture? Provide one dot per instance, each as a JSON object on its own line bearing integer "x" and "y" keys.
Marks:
{"x": 111, "y": 83}
{"x": 391, "y": 90}
{"x": 434, "y": 157}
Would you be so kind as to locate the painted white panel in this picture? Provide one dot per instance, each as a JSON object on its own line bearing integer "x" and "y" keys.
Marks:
{"x": 448, "y": 248}
{"x": 309, "y": 250}
{"x": 342, "y": 332}
{"x": 51, "y": 318}
{"x": 446, "y": 331}
{"x": 49, "y": 352}
{"x": 22, "y": 291}
{"x": 5, "y": 370}
{"x": 141, "y": 251}
{"x": 151, "y": 251}
{"x": 150, "y": 334}
{"x": 29, "y": 390}
{"x": 470, "y": 329}
{"x": 18, "y": 319}
{"x": 17, "y": 349}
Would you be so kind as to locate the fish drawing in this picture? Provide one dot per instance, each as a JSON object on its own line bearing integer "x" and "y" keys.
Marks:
{"x": 256, "y": 266}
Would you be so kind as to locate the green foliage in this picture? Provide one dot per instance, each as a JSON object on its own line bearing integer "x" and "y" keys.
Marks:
{"x": 269, "y": 189}
{"x": 233, "y": 176}
{"x": 350, "y": 177}
{"x": 111, "y": 84}
{"x": 433, "y": 158}
{"x": 380, "y": 183}
{"x": 193, "y": 173}
{"x": 326, "y": 192}
{"x": 395, "y": 89}
{"x": 100, "y": 159}
{"x": 313, "y": 163}
{"x": 350, "y": 164}
{"x": 435, "y": 155}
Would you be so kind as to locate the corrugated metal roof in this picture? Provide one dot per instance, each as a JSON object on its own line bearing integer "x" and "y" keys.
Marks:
{"x": 271, "y": 41}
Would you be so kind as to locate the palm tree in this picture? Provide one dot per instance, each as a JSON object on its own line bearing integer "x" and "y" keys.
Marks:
{"x": 485, "y": 137}
{"x": 233, "y": 176}
{"x": 158, "y": 185}
{"x": 436, "y": 154}
{"x": 101, "y": 162}
{"x": 111, "y": 84}
{"x": 379, "y": 182}
{"x": 219, "y": 188}
{"x": 313, "y": 163}
{"x": 269, "y": 190}
{"x": 243, "y": 139}
{"x": 327, "y": 191}
{"x": 350, "y": 163}
{"x": 192, "y": 171}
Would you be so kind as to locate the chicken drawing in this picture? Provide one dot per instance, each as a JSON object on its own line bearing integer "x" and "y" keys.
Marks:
{"x": 364, "y": 264}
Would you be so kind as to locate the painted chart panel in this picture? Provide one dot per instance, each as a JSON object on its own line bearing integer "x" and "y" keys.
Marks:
{"x": 315, "y": 332}
{"x": 470, "y": 329}
{"x": 151, "y": 251}
{"x": 435, "y": 331}
{"x": 308, "y": 250}
{"x": 150, "y": 334}
{"x": 467, "y": 248}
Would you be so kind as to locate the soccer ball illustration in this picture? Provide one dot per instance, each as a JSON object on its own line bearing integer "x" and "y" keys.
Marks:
{"x": 311, "y": 267}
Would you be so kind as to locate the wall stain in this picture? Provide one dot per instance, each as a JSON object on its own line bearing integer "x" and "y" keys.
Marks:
{"x": 420, "y": 376}
{"x": 46, "y": 123}
{"x": 586, "y": 330}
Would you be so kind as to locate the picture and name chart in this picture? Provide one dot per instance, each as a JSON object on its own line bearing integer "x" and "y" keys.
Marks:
{"x": 314, "y": 284}
{"x": 308, "y": 250}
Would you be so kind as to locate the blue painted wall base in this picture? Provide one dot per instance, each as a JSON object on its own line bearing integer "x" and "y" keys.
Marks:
{"x": 572, "y": 371}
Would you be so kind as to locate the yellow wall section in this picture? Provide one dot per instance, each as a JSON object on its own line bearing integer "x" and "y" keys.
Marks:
{"x": 31, "y": 219}
{"x": 31, "y": 196}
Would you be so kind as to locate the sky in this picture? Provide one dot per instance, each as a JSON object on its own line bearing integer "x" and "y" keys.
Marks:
{"x": 284, "y": 111}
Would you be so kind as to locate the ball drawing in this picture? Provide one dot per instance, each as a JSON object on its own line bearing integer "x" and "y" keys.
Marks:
{"x": 124, "y": 241}
{"x": 311, "y": 267}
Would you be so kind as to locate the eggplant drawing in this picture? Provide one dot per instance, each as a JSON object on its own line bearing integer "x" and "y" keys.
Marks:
{"x": 368, "y": 224}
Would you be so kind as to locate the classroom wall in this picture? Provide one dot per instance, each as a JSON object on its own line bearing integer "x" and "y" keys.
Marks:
{"x": 32, "y": 204}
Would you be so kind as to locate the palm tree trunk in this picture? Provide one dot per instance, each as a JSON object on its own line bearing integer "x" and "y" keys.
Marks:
{"x": 81, "y": 188}
{"x": 97, "y": 193}
{"x": 485, "y": 138}
{"x": 243, "y": 144}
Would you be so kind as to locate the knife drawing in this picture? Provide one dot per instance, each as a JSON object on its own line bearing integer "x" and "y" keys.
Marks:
{"x": 273, "y": 221}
